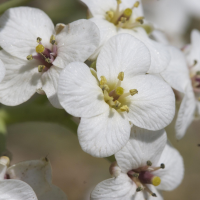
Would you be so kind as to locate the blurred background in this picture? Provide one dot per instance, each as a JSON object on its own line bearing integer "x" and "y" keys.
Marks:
{"x": 74, "y": 171}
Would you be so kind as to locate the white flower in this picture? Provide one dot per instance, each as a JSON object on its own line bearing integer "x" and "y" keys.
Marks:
{"x": 183, "y": 74}
{"x": 146, "y": 161}
{"x": 29, "y": 180}
{"x": 126, "y": 16}
{"x": 118, "y": 93}
{"x": 28, "y": 33}
{"x": 2, "y": 71}
{"x": 172, "y": 16}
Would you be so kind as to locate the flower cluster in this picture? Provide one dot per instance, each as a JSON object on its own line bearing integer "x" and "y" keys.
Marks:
{"x": 124, "y": 99}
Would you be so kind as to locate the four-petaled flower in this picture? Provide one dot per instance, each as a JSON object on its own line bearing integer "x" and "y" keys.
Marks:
{"x": 119, "y": 94}
{"x": 34, "y": 52}
{"x": 146, "y": 161}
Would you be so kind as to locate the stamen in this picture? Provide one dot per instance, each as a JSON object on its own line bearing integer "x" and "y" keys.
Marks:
{"x": 124, "y": 108}
{"x": 105, "y": 87}
{"x": 4, "y": 160}
{"x": 149, "y": 163}
{"x": 41, "y": 68}
{"x": 117, "y": 104}
{"x": 199, "y": 99}
{"x": 103, "y": 80}
{"x": 149, "y": 191}
{"x": 121, "y": 76}
{"x": 133, "y": 92}
{"x": 136, "y": 175}
{"x": 136, "y": 4}
{"x": 110, "y": 15}
{"x": 127, "y": 13}
{"x": 139, "y": 189}
{"x": 198, "y": 73}
{"x": 140, "y": 20}
{"x": 40, "y": 48}
{"x": 59, "y": 28}
{"x": 53, "y": 39}
{"x": 117, "y": 13}
{"x": 162, "y": 166}
{"x": 48, "y": 60}
{"x": 107, "y": 97}
{"x": 195, "y": 62}
{"x": 152, "y": 169}
{"x": 29, "y": 57}
{"x": 138, "y": 183}
{"x": 119, "y": 91}
{"x": 39, "y": 40}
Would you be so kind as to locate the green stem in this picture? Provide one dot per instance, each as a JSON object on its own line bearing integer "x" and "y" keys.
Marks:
{"x": 11, "y": 3}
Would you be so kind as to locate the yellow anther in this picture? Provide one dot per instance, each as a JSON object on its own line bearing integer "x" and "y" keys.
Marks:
{"x": 162, "y": 166}
{"x": 119, "y": 91}
{"x": 149, "y": 163}
{"x": 123, "y": 20}
{"x": 48, "y": 60}
{"x": 103, "y": 80}
{"x": 4, "y": 160}
{"x": 119, "y": 1}
{"x": 40, "y": 48}
{"x": 29, "y": 57}
{"x": 133, "y": 92}
{"x": 124, "y": 108}
{"x": 39, "y": 39}
{"x": 128, "y": 12}
{"x": 156, "y": 180}
{"x": 198, "y": 73}
{"x": 117, "y": 104}
{"x": 140, "y": 20}
{"x": 136, "y": 4}
{"x": 105, "y": 87}
{"x": 136, "y": 175}
{"x": 139, "y": 189}
{"x": 53, "y": 39}
{"x": 106, "y": 96}
{"x": 110, "y": 15}
{"x": 41, "y": 68}
{"x": 121, "y": 76}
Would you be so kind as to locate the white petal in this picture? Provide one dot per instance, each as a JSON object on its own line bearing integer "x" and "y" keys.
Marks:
{"x": 143, "y": 146}
{"x": 3, "y": 169}
{"x": 99, "y": 8}
{"x": 177, "y": 73}
{"x": 37, "y": 173}
{"x": 20, "y": 28}
{"x": 107, "y": 30}
{"x": 55, "y": 193}
{"x": 2, "y": 71}
{"x": 123, "y": 53}
{"x": 160, "y": 57}
{"x": 186, "y": 112}
{"x": 50, "y": 84}
{"x": 16, "y": 190}
{"x": 153, "y": 108}
{"x": 105, "y": 134}
{"x": 172, "y": 175}
{"x": 76, "y": 42}
{"x": 118, "y": 188}
{"x": 79, "y": 93}
{"x": 21, "y": 80}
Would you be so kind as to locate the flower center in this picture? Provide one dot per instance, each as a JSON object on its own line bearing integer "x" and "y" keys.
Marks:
{"x": 125, "y": 18}
{"x": 115, "y": 97}
{"x": 44, "y": 55}
{"x": 144, "y": 175}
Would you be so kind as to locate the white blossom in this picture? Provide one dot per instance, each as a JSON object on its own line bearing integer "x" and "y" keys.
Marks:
{"x": 2, "y": 71}
{"x": 29, "y": 180}
{"x": 119, "y": 92}
{"x": 147, "y": 163}
{"x": 34, "y": 52}
{"x": 126, "y": 16}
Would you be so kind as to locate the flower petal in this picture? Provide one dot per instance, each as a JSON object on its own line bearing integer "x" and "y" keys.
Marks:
{"x": 177, "y": 73}
{"x": 3, "y": 169}
{"x": 118, "y": 188}
{"x": 50, "y": 84}
{"x": 105, "y": 134}
{"x": 37, "y": 173}
{"x": 79, "y": 93}
{"x": 143, "y": 146}
{"x": 99, "y": 8}
{"x": 2, "y": 71}
{"x": 20, "y": 28}
{"x": 186, "y": 112}
{"x": 160, "y": 57}
{"x": 123, "y": 53}
{"x": 20, "y": 82}
{"x": 107, "y": 30}
{"x": 173, "y": 173}
{"x": 73, "y": 46}
{"x": 16, "y": 190}
{"x": 153, "y": 108}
